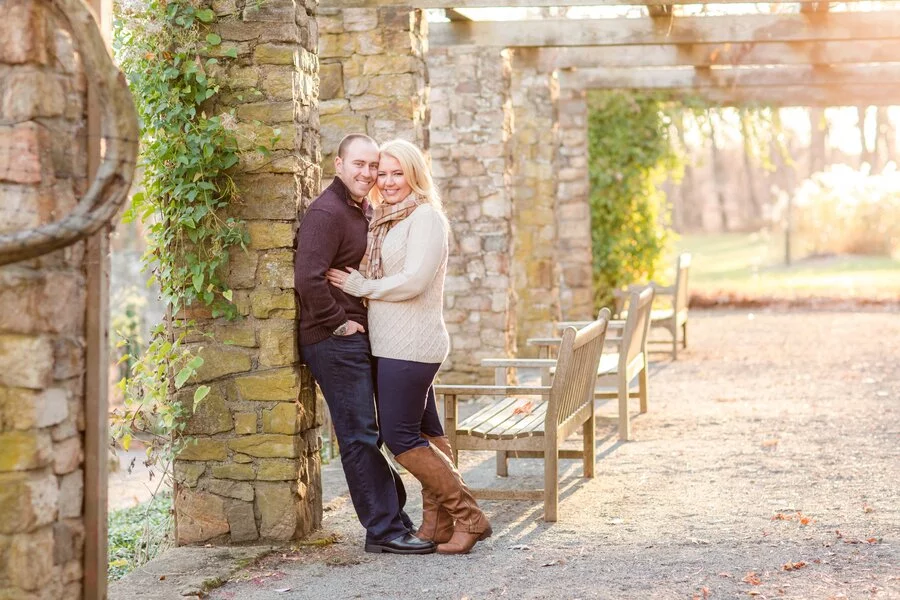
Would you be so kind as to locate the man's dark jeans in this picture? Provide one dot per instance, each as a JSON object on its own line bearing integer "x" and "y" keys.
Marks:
{"x": 342, "y": 366}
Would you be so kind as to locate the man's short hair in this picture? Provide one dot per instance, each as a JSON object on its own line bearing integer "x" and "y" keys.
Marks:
{"x": 349, "y": 139}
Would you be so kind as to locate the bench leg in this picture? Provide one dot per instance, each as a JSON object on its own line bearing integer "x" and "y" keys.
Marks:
{"x": 502, "y": 463}
{"x": 551, "y": 483}
{"x": 590, "y": 445}
{"x": 624, "y": 423}
{"x": 684, "y": 335}
{"x": 643, "y": 384}
{"x": 675, "y": 342}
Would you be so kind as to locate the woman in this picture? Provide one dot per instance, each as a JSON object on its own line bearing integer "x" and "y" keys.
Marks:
{"x": 402, "y": 277}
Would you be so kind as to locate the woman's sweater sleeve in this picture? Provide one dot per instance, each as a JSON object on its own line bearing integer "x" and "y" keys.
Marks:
{"x": 424, "y": 253}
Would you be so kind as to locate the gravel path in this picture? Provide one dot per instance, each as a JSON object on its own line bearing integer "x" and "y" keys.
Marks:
{"x": 767, "y": 466}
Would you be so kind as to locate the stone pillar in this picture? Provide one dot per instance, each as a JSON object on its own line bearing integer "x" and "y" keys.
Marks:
{"x": 471, "y": 126}
{"x": 573, "y": 211}
{"x": 373, "y": 77}
{"x": 254, "y": 471}
{"x": 535, "y": 96}
{"x": 43, "y": 171}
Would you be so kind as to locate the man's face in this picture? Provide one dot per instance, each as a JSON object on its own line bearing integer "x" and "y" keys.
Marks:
{"x": 358, "y": 167}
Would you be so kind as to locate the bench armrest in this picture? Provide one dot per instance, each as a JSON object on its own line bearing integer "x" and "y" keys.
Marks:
{"x": 548, "y": 341}
{"x": 492, "y": 390}
{"x": 535, "y": 363}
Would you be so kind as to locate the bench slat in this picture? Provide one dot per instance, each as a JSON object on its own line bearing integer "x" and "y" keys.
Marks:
{"x": 520, "y": 425}
{"x": 487, "y": 413}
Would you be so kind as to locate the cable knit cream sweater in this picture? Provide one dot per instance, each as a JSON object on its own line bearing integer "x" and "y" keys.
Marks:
{"x": 406, "y": 318}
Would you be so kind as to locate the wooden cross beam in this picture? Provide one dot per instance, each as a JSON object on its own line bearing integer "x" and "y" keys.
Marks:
{"x": 704, "y": 55}
{"x": 734, "y": 77}
{"x": 734, "y": 29}
{"x": 340, "y": 4}
{"x": 863, "y": 95}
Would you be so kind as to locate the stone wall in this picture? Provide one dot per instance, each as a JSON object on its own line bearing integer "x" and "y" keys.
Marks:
{"x": 373, "y": 76}
{"x": 254, "y": 471}
{"x": 573, "y": 212}
{"x": 471, "y": 128}
{"x": 535, "y": 96}
{"x": 42, "y": 339}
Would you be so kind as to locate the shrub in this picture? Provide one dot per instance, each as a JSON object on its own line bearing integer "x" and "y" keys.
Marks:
{"x": 138, "y": 534}
{"x": 630, "y": 154}
{"x": 847, "y": 211}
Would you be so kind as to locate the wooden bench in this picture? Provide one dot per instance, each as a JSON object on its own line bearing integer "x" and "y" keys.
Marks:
{"x": 617, "y": 370}
{"x": 672, "y": 318}
{"x": 533, "y": 421}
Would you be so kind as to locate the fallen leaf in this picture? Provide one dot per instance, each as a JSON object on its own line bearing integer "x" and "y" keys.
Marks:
{"x": 282, "y": 590}
{"x": 793, "y": 566}
{"x": 872, "y": 540}
{"x": 558, "y": 561}
{"x": 868, "y": 509}
{"x": 753, "y": 593}
{"x": 520, "y": 547}
{"x": 770, "y": 443}
{"x": 525, "y": 409}
{"x": 162, "y": 577}
{"x": 724, "y": 574}
{"x": 752, "y": 578}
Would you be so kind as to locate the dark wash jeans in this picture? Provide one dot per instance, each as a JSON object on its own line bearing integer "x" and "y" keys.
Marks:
{"x": 342, "y": 366}
{"x": 406, "y": 405}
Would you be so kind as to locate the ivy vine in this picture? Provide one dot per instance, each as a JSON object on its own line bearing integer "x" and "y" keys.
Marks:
{"x": 630, "y": 155}
{"x": 168, "y": 52}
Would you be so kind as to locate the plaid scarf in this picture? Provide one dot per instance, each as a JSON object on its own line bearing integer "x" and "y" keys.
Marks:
{"x": 384, "y": 217}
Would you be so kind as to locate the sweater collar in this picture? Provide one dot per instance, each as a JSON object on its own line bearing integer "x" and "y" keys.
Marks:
{"x": 338, "y": 187}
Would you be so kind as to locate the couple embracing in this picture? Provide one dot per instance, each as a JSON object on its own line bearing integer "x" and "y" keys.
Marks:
{"x": 369, "y": 270}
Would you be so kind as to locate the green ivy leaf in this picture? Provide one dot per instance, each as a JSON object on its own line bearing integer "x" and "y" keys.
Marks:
{"x": 206, "y": 15}
{"x": 199, "y": 394}
{"x": 213, "y": 40}
{"x": 183, "y": 375}
{"x": 231, "y": 53}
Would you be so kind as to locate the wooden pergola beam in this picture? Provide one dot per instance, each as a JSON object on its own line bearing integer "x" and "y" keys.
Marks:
{"x": 737, "y": 77}
{"x": 340, "y": 4}
{"x": 863, "y": 95}
{"x": 706, "y": 55}
{"x": 734, "y": 29}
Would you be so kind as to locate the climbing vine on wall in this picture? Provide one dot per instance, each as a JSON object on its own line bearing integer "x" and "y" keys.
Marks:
{"x": 168, "y": 53}
{"x": 630, "y": 155}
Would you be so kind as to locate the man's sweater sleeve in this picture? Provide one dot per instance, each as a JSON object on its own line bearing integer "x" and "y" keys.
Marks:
{"x": 424, "y": 253}
{"x": 317, "y": 245}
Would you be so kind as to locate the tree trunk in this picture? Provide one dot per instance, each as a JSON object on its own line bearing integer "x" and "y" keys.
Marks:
{"x": 718, "y": 174}
{"x": 818, "y": 133}
{"x": 691, "y": 207}
{"x": 755, "y": 212}
{"x": 864, "y": 155}
{"x": 884, "y": 134}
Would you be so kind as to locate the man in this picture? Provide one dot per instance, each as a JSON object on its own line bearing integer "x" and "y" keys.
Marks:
{"x": 334, "y": 344}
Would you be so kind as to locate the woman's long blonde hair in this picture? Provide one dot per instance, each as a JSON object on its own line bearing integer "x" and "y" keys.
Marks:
{"x": 415, "y": 170}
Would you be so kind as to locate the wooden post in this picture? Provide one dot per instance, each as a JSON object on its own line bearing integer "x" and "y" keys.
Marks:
{"x": 96, "y": 411}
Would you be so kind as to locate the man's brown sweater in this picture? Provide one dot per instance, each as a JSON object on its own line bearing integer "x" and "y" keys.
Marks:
{"x": 332, "y": 235}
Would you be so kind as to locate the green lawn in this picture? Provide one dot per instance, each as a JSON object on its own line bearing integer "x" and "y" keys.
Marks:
{"x": 753, "y": 265}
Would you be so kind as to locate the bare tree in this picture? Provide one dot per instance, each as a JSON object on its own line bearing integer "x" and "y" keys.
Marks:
{"x": 718, "y": 170}
{"x": 747, "y": 137}
{"x": 865, "y": 156}
{"x": 818, "y": 128}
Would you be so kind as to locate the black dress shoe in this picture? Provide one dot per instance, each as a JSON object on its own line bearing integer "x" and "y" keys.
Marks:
{"x": 405, "y": 544}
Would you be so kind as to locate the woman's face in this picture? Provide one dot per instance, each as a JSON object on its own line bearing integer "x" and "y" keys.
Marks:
{"x": 391, "y": 181}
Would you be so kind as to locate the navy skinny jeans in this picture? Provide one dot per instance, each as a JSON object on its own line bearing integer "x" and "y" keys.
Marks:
{"x": 406, "y": 404}
{"x": 342, "y": 366}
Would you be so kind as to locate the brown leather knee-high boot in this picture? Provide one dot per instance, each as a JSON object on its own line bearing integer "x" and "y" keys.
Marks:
{"x": 437, "y": 524}
{"x": 438, "y": 475}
